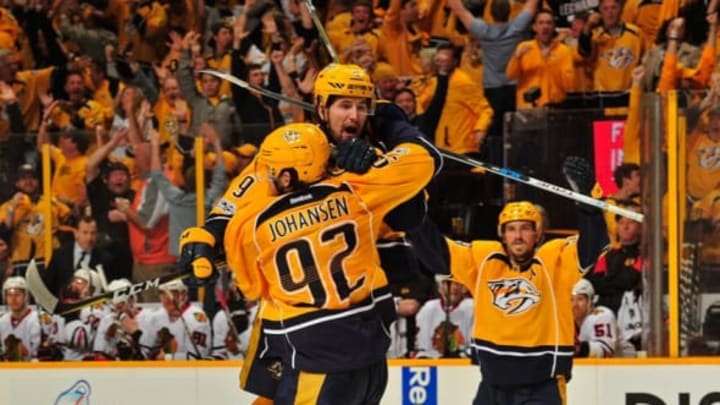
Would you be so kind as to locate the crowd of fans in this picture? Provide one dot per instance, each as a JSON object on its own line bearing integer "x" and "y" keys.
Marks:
{"x": 116, "y": 89}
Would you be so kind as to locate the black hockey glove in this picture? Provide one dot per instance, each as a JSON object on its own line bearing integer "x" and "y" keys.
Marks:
{"x": 579, "y": 174}
{"x": 355, "y": 155}
{"x": 581, "y": 178}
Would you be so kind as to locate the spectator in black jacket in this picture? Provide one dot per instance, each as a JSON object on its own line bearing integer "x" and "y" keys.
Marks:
{"x": 82, "y": 253}
{"x": 106, "y": 182}
{"x": 619, "y": 269}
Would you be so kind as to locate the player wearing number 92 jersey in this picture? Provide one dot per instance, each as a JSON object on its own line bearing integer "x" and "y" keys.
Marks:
{"x": 261, "y": 372}
{"x": 311, "y": 253}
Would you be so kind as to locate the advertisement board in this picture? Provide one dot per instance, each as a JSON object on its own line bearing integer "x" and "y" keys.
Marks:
{"x": 641, "y": 382}
{"x": 608, "y": 148}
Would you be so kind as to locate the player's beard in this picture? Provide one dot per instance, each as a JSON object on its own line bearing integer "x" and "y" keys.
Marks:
{"x": 520, "y": 258}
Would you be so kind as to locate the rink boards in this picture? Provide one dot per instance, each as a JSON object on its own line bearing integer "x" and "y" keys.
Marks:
{"x": 630, "y": 382}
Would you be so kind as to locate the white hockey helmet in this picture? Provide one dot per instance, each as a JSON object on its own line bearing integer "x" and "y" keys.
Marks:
{"x": 584, "y": 287}
{"x": 83, "y": 274}
{"x": 119, "y": 284}
{"x": 15, "y": 282}
{"x": 12, "y": 283}
{"x": 173, "y": 285}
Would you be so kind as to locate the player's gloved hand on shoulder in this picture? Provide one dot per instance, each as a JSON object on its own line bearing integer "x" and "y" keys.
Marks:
{"x": 196, "y": 256}
{"x": 355, "y": 155}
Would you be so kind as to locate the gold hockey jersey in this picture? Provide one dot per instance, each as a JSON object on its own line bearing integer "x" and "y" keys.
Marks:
{"x": 312, "y": 256}
{"x": 524, "y": 328}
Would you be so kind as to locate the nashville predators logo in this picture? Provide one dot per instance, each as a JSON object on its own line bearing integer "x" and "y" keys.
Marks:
{"x": 514, "y": 296}
{"x": 275, "y": 369}
{"x": 620, "y": 57}
{"x": 709, "y": 157}
{"x": 291, "y": 136}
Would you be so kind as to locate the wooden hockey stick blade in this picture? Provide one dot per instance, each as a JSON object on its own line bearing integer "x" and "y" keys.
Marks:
{"x": 245, "y": 85}
{"x": 43, "y": 297}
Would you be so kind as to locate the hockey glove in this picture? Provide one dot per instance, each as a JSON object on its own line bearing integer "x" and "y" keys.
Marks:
{"x": 355, "y": 155}
{"x": 579, "y": 174}
{"x": 581, "y": 178}
{"x": 196, "y": 255}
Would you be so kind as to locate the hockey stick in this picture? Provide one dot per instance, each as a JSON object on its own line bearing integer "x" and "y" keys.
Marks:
{"x": 187, "y": 332}
{"x": 43, "y": 297}
{"x": 321, "y": 30}
{"x": 220, "y": 296}
{"x": 543, "y": 185}
{"x": 447, "y": 330}
{"x": 500, "y": 171}
{"x": 50, "y": 303}
{"x": 101, "y": 275}
{"x": 264, "y": 92}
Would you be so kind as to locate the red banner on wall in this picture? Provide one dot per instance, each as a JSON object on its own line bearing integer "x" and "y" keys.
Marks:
{"x": 608, "y": 142}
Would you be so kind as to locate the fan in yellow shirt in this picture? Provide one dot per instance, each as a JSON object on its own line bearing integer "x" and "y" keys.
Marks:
{"x": 27, "y": 85}
{"x": 361, "y": 26}
{"x": 542, "y": 62}
{"x": 614, "y": 48}
{"x": 77, "y": 110}
{"x": 24, "y": 216}
{"x": 70, "y": 160}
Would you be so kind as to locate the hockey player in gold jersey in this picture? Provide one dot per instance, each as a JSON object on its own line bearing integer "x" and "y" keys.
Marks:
{"x": 337, "y": 82}
{"x": 310, "y": 253}
{"x": 338, "y": 89}
{"x": 337, "y": 86}
{"x": 524, "y": 329}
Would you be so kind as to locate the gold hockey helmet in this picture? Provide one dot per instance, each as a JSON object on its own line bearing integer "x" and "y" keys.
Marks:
{"x": 300, "y": 146}
{"x": 343, "y": 80}
{"x": 519, "y": 211}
